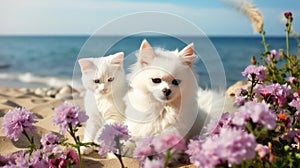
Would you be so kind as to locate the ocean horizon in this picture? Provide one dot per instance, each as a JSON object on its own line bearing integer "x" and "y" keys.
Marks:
{"x": 51, "y": 60}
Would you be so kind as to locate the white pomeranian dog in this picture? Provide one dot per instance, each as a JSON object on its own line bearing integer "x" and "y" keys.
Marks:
{"x": 164, "y": 94}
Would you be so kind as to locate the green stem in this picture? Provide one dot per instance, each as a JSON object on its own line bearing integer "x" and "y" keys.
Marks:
{"x": 253, "y": 84}
{"x": 77, "y": 144}
{"x": 79, "y": 157}
{"x": 287, "y": 41}
{"x": 31, "y": 141}
{"x": 167, "y": 158}
{"x": 263, "y": 41}
{"x": 287, "y": 35}
{"x": 120, "y": 160}
{"x": 119, "y": 154}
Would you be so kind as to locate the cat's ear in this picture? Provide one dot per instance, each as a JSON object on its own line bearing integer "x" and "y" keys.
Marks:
{"x": 85, "y": 64}
{"x": 117, "y": 59}
{"x": 187, "y": 54}
{"x": 146, "y": 53}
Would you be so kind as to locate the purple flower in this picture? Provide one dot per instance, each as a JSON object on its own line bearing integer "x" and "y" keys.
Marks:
{"x": 273, "y": 56}
{"x": 240, "y": 97}
{"x": 232, "y": 145}
{"x": 3, "y": 160}
{"x": 292, "y": 80}
{"x": 68, "y": 114}
{"x": 236, "y": 145}
{"x": 112, "y": 137}
{"x": 275, "y": 93}
{"x": 72, "y": 156}
{"x": 144, "y": 148}
{"x": 63, "y": 159}
{"x": 154, "y": 163}
{"x": 255, "y": 72}
{"x": 293, "y": 136}
{"x": 197, "y": 156}
{"x": 171, "y": 141}
{"x": 214, "y": 126}
{"x": 49, "y": 141}
{"x": 295, "y": 103}
{"x": 37, "y": 160}
{"x": 16, "y": 121}
{"x": 257, "y": 113}
{"x": 262, "y": 150}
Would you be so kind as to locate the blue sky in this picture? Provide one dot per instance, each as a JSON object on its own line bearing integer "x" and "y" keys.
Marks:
{"x": 69, "y": 17}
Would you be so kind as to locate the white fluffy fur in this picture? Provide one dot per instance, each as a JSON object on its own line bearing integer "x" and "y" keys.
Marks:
{"x": 104, "y": 81}
{"x": 148, "y": 112}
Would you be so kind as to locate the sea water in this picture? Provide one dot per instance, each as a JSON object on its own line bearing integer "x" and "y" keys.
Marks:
{"x": 51, "y": 61}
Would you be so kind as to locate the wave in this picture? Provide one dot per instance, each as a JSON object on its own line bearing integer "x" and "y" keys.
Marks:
{"x": 50, "y": 81}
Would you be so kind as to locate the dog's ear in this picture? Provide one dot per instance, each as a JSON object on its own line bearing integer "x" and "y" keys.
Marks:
{"x": 117, "y": 59}
{"x": 187, "y": 54}
{"x": 146, "y": 53}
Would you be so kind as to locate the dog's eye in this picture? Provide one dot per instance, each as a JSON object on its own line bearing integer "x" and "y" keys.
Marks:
{"x": 176, "y": 82}
{"x": 96, "y": 81}
{"x": 110, "y": 79}
{"x": 156, "y": 80}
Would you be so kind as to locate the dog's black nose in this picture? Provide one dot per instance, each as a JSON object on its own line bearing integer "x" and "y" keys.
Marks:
{"x": 166, "y": 91}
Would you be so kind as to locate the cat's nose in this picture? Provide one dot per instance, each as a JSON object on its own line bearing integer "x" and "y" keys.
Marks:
{"x": 166, "y": 91}
{"x": 104, "y": 91}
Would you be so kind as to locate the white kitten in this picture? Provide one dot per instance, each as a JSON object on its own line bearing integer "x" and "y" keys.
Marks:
{"x": 163, "y": 92}
{"x": 104, "y": 81}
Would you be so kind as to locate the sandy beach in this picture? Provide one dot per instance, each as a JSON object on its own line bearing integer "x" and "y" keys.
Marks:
{"x": 42, "y": 102}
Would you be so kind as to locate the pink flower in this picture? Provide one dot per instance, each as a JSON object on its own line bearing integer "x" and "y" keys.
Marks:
{"x": 171, "y": 141}
{"x": 37, "y": 160}
{"x": 49, "y": 141}
{"x": 240, "y": 97}
{"x": 292, "y": 80}
{"x": 16, "y": 121}
{"x": 231, "y": 145}
{"x": 275, "y": 93}
{"x": 68, "y": 114}
{"x": 295, "y": 103}
{"x": 144, "y": 148}
{"x": 293, "y": 136}
{"x": 257, "y": 113}
{"x": 235, "y": 145}
{"x": 255, "y": 72}
{"x": 63, "y": 159}
{"x": 214, "y": 126}
{"x": 112, "y": 137}
{"x": 196, "y": 154}
{"x": 157, "y": 148}
{"x": 273, "y": 55}
{"x": 262, "y": 150}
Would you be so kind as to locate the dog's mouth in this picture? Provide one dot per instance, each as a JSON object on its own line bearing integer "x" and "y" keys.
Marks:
{"x": 164, "y": 99}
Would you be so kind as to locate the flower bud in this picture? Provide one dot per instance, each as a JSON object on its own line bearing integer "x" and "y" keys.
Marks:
{"x": 281, "y": 53}
{"x": 253, "y": 60}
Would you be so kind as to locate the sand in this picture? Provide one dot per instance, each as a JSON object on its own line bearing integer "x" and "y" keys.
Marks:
{"x": 42, "y": 102}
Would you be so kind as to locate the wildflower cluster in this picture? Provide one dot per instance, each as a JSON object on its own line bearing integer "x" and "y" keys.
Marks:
{"x": 113, "y": 139}
{"x": 157, "y": 152}
{"x": 54, "y": 151}
{"x": 264, "y": 131}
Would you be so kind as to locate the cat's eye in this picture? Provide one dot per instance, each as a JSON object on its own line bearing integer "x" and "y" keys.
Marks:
{"x": 96, "y": 81}
{"x": 110, "y": 79}
{"x": 176, "y": 82}
{"x": 156, "y": 80}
